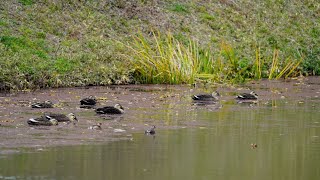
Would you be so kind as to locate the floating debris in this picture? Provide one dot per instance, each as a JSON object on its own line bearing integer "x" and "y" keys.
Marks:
{"x": 119, "y": 130}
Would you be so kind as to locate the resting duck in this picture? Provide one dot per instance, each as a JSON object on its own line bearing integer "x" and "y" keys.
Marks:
{"x": 45, "y": 104}
{"x": 206, "y": 97}
{"x": 42, "y": 121}
{"x": 116, "y": 109}
{"x": 61, "y": 117}
{"x": 150, "y": 131}
{"x": 247, "y": 96}
{"x": 91, "y": 100}
{"x": 96, "y": 126}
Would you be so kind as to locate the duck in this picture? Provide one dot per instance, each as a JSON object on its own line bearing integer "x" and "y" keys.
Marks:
{"x": 253, "y": 145}
{"x": 150, "y": 131}
{"x": 91, "y": 100}
{"x": 247, "y": 96}
{"x": 207, "y": 97}
{"x": 42, "y": 121}
{"x": 96, "y": 127}
{"x": 44, "y": 104}
{"x": 116, "y": 109}
{"x": 71, "y": 117}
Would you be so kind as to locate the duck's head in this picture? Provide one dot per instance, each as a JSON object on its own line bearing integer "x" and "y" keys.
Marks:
{"x": 215, "y": 93}
{"x": 118, "y": 106}
{"x": 254, "y": 94}
{"x": 153, "y": 127}
{"x": 92, "y": 97}
{"x": 72, "y": 117}
{"x": 48, "y": 102}
{"x": 53, "y": 121}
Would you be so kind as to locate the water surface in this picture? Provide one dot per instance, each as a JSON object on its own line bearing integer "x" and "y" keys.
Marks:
{"x": 210, "y": 142}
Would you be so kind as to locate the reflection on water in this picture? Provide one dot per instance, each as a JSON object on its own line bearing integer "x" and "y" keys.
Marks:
{"x": 287, "y": 135}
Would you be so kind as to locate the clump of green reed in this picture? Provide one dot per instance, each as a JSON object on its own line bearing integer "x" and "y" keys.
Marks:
{"x": 164, "y": 59}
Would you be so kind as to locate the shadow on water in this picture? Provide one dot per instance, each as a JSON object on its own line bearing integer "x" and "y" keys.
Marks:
{"x": 212, "y": 141}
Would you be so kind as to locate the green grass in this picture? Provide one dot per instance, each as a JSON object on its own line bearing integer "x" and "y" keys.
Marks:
{"x": 26, "y": 2}
{"x": 75, "y": 43}
{"x": 180, "y": 8}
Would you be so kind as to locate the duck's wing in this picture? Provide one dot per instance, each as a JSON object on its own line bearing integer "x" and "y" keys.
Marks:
{"x": 33, "y": 121}
{"x": 39, "y": 122}
{"x": 108, "y": 110}
{"x": 41, "y": 105}
{"x": 38, "y": 105}
{"x": 241, "y": 96}
{"x": 58, "y": 117}
{"x": 246, "y": 96}
{"x": 202, "y": 97}
{"x": 100, "y": 111}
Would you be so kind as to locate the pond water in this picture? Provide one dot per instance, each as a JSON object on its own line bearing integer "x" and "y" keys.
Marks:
{"x": 193, "y": 141}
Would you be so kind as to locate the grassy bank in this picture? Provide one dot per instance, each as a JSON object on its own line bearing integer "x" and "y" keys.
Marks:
{"x": 75, "y": 43}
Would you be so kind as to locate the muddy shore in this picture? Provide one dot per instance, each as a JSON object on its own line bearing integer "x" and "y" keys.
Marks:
{"x": 142, "y": 103}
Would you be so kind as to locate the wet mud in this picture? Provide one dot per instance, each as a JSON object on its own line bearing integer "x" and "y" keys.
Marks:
{"x": 165, "y": 106}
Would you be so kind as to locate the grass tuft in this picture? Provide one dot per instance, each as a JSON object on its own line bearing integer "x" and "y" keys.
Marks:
{"x": 164, "y": 59}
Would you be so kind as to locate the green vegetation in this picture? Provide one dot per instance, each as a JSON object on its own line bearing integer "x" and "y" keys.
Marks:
{"x": 180, "y": 8}
{"x": 167, "y": 60}
{"x": 76, "y": 43}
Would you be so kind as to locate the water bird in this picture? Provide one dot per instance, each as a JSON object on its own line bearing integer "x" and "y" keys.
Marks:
{"x": 44, "y": 104}
{"x": 207, "y": 97}
{"x": 253, "y": 145}
{"x": 116, "y": 109}
{"x": 247, "y": 96}
{"x": 91, "y": 100}
{"x": 96, "y": 126}
{"x": 42, "y": 121}
{"x": 71, "y": 117}
{"x": 150, "y": 131}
